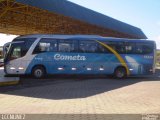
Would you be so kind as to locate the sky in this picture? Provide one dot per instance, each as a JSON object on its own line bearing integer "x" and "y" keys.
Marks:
{"x": 144, "y": 14}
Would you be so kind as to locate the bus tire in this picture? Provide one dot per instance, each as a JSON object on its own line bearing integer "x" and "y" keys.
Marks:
{"x": 38, "y": 72}
{"x": 120, "y": 73}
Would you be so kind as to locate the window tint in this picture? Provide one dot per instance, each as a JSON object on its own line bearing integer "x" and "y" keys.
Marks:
{"x": 88, "y": 46}
{"x": 143, "y": 48}
{"x": 125, "y": 47}
{"x": 102, "y": 49}
{"x": 67, "y": 46}
{"x": 147, "y": 49}
{"x": 46, "y": 45}
{"x": 16, "y": 53}
{"x": 91, "y": 46}
{"x": 130, "y": 48}
{"x": 117, "y": 46}
{"x": 26, "y": 45}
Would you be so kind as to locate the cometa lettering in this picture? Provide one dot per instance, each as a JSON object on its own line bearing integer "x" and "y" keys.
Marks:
{"x": 67, "y": 57}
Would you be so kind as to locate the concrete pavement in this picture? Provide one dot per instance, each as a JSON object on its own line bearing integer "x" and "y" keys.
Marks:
{"x": 82, "y": 96}
{"x": 4, "y": 81}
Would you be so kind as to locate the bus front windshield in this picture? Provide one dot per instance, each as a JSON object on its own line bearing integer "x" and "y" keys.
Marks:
{"x": 17, "y": 49}
{"x": 13, "y": 51}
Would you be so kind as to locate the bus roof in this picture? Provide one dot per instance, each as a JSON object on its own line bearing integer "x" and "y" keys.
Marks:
{"x": 79, "y": 37}
{"x": 59, "y": 36}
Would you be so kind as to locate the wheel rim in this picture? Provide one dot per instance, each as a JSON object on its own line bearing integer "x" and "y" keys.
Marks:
{"x": 120, "y": 74}
{"x": 38, "y": 73}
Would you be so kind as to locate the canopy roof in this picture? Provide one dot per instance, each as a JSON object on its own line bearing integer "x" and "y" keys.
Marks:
{"x": 60, "y": 17}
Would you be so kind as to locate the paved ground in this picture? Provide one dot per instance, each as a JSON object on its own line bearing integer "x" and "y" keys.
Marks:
{"x": 7, "y": 80}
{"x": 85, "y": 95}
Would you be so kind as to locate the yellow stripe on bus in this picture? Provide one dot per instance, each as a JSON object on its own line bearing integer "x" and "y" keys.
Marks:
{"x": 121, "y": 60}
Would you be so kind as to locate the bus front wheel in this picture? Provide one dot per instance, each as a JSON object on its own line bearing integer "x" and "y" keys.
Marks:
{"x": 120, "y": 73}
{"x": 38, "y": 72}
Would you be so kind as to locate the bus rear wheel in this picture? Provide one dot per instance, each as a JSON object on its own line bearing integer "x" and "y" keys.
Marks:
{"x": 120, "y": 73}
{"x": 38, "y": 72}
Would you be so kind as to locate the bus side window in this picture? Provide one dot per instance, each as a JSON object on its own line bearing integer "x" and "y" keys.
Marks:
{"x": 88, "y": 46}
{"x": 46, "y": 45}
{"x": 147, "y": 48}
{"x": 102, "y": 49}
{"x": 120, "y": 48}
{"x": 138, "y": 49}
{"x": 117, "y": 46}
{"x": 143, "y": 48}
{"x": 130, "y": 48}
{"x": 67, "y": 46}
